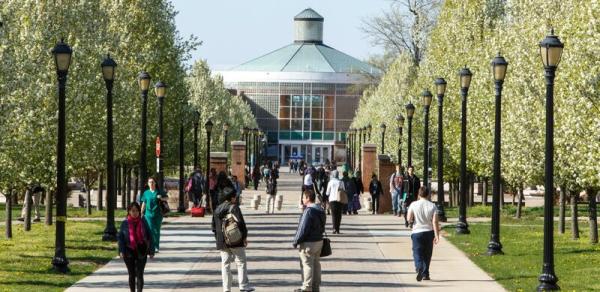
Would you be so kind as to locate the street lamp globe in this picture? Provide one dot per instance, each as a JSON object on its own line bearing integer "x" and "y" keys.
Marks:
{"x": 226, "y": 126}
{"x": 440, "y": 85}
{"x": 465, "y": 77}
{"x": 196, "y": 118}
{"x": 62, "y": 56}
{"x": 208, "y": 126}
{"x": 144, "y": 80}
{"x": 499, "y": 66}
{"x": 426, "y": 95}
{"x": 551, "y": 49}
{"x": 245, "y": 130}
{"x": 160, "y": 89}
{"x": 410, "y": 110}
{"x": 400, "y": 120}
{"x": 108, "y": 68}
{"x": 383, "y": 126}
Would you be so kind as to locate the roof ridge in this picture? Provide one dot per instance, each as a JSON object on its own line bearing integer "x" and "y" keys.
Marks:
{"x": 326, "y": 60}
{"x": 263, "y": 55}
{"x": 292, "y": 57}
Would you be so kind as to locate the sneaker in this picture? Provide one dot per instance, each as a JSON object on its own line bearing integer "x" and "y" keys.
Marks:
{"x": 419, "y": 276}
{"x": 300, "y": 290}
{"x": 426, "y": 278}
{"x": 20, "y": 219}
{"x": 36, "y": 220}
{"x": 249, "y": 289}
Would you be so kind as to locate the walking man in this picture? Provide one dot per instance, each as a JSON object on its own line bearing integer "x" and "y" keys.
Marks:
{"x": 309, "y": 241}
{"x": 425, "y": 232}
{"x": 230, "y": 247}
{"x": 337, "y": 198}
{"x": 410, "y": 189}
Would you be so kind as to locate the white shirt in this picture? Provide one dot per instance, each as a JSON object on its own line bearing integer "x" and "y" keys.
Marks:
{"x": 308, "y": 180}
{"x": 332, "y": 189}
{"x": 423, "y": 211}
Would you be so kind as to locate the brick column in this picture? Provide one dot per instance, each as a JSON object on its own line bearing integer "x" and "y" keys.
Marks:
{"x": 218, "y": 161}
{"x": 238, "y": 161}
{"x": 369, "y": 164}
{"x": 386, "y": 168}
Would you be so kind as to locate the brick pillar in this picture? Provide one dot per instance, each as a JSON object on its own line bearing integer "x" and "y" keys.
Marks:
{"x": 386, "y": 168}
{"x": 218, "y": 161}
{"x": 369, "y": 164}
{"x": 238, "y": 161}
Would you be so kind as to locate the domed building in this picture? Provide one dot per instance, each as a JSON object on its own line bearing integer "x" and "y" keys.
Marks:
{"x": 303, "y": 95}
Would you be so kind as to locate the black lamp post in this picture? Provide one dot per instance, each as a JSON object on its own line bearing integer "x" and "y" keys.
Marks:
{"x": 426, "y": 95}
{"x": 499, "y": 66}
{"x": 551, "y": 50}
{"x": 62, "y": 60}
{"x": 465, "y": 80}
{"x": 400, "y": 121}
{"x": 160, "y": 89}
{"x": 208, "y": 126}
{"x": 410, "y": 111}
{"x": 144, "y": 83}
{"x": 245, "y": 131}
{"x": 196, "y": 122}
{"x": 383, "y": 126}
{"x": 360, "y": 138}
{"x": 369, "y": 129}
{"x": 255, "y": 132}
{"x": 263, "y": 144}
{"x": 225, "y": 136}
{"x": 181, "y": 207}
{"x": 352, "y": 145}
{"x": 440, "y": 85}
{"x": 108, "y": 73}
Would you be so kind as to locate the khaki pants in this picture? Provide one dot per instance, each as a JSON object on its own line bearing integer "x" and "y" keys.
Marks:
{"x": 227, "y": 257}
{"x": 310, "y": 259}
{"x": 35, "y": 197}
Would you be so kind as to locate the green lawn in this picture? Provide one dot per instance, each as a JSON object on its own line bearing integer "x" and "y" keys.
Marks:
{"x": 25, "y": 260}
{"x": 576, "y": 261}
{"x": 528, "y": 212}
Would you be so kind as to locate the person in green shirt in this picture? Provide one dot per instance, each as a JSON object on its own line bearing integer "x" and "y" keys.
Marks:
{"x": 151, "y": 210}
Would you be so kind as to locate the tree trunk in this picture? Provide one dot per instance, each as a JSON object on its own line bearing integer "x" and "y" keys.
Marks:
{"x": 471, "y": 181}
{"x": 124, "y": 202}
{"x": 88, "y": 194}
{"x": 128, "y": 191}
{"x": 49, "y": 203}
{"x": 450, "y": 194}
{"x": 27, "y": 202}
{"x": 574, "y": 215}
{"x": 520, "y": 204}
{"x": 593, "y": 216}
{"x": 99, "y": 202}
{"x": 514, "y": 193}
{"x": 136, "y": 185}
{"x": 484, "y": 197}
{"x": 561, "y": 210}
{"x": 9, "y": 195}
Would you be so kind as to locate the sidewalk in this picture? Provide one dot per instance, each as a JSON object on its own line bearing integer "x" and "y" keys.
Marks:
{"x": 373, "y": 253}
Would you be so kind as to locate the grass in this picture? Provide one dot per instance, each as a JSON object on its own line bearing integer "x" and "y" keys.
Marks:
{"x": 576, "y": 261}
{"x": 25, "y": 260}
{"x": 508, "y": 210}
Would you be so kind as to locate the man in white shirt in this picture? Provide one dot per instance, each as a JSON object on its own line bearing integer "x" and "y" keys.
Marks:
{"x": 336, "y": 203}
{"x": 425, "y": 232}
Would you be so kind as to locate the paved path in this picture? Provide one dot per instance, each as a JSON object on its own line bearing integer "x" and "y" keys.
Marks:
{"x": 373, "y": 253}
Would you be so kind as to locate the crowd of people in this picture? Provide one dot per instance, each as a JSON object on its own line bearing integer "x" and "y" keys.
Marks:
{"x": 323, "y": 193}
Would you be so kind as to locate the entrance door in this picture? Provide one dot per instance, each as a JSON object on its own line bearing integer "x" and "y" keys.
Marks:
{"x": 320, "y": 154}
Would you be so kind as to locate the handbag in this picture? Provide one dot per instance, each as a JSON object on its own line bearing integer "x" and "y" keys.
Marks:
{"x": 343, "y": 196}
{"x": 326, "y": 249}
{"x": 164, "y": 207}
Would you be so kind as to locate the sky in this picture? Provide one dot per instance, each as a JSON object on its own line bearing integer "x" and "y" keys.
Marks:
{"x": 236, "y": 31}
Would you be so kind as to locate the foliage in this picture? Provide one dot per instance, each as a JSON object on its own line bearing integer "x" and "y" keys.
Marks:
{"x": 471, "y": 33}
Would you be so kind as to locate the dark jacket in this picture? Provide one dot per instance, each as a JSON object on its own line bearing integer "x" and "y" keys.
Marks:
{"x": 359, "y": 185}
{"x": 311, "y": 226}
{"x": 198, "y": 183}
{"x": 349, "y": 186}
{"x": 217, "y": 224}
{"x": 375, "y": 188}
{"x": 411, "y": 186}
{"x": 125, "y": 245}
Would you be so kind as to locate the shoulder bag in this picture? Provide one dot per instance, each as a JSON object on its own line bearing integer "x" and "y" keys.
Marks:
{"x": 326, "y": 249}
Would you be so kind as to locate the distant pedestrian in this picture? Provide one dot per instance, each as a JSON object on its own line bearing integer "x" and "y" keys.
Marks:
{"x": 396, "y": 190}
{"x": 151, "y": 211}
{"x": 425, "y": 232}
{"x": 212, "y": 189}
{"x": 227, "y": 223}
{"x": 135, "y": 245}
{"x": 410, "y": 188}
{"x": 309, "y": 241}
{"x": 271, "y": 191}
{"x": 351, "y": 191}
{"x": 197, "y": 187}
{"x": 256, "y": 177}
{"x": 375, "y": 189}
{"x": 36, "y": 193}
{"x": 337, "y": 197}
{"x": 238, "y": 189}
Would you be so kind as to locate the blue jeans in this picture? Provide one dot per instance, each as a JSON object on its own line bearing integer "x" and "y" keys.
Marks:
{"x": 396, "y": 202}
{"x": 422, "y": 250}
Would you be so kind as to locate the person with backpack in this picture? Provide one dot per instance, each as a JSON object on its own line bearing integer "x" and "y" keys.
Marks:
{"x": 271, "y": 192}
{"x": 196, "y": 187}
{"x": 411, "y": 187}
{"x": 231, "y": 234}
{"x": 396, "y": 190}
{"x": 309, "y": 242}
{"x": 375, "y": 189}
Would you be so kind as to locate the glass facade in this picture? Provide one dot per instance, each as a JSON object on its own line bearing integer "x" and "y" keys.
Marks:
{"x": 301, "y": 119}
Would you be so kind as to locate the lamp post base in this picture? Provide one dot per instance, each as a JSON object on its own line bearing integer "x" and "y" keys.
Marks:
{"x": 110, "y": 234}
{"x": 494, "y": 248}
{"x": 462, "y": 228}
{"x": 441, "y": 214}
{"x": 548, "y": 282}
{"x": 181, "y": 209}
{"x": 60, "y": 264}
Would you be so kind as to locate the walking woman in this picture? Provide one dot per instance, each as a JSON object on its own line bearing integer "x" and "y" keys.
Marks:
{"x": 151, "y": 211}
{"x": 135, "y": 246}
{"x": 376, "y": 190}
{"x": 337, "y": 198}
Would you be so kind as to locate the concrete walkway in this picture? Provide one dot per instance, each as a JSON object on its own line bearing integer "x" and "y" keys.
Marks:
{"x": 373, "y": 253}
